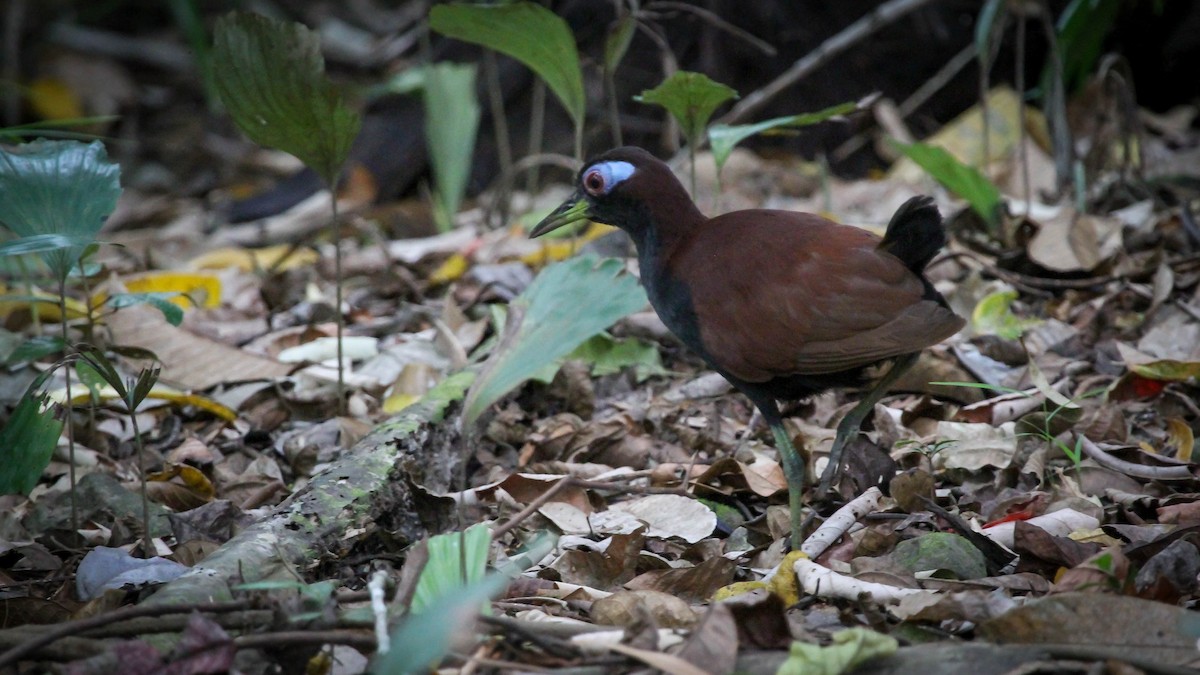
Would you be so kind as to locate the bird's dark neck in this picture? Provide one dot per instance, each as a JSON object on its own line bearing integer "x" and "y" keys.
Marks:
{"x": 658, "y": 226}
{"x": 659, "y": 229}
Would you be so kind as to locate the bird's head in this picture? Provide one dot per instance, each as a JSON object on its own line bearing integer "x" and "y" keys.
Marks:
{"x": 620, "y": 187}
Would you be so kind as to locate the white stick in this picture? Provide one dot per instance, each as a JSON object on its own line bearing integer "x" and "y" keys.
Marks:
{"x": 824, "y": 582}
{"x": 837, "y": 524}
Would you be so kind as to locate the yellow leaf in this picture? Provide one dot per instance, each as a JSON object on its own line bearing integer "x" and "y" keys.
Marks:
{"x": 1167, "y": 370}
{"x": 1180, "y": 435}
{"x": 191, "y": 477}
{"x": 47, "y": 304}
{"x": 399, "y": 401}
{"x": 735, "y": 589}
{"x": 562, "y": 248}
{"x": 453, "y": 268}
{"x": 282, "y": 257}
{"x": 784, "y": 583}
{"x": 52, "y": 99}
{"x": 160, "y": 392}
{"x": 199, "y": 290}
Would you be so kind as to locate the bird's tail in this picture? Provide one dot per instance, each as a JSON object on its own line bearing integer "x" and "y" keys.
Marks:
{"x": 915, "y": 233}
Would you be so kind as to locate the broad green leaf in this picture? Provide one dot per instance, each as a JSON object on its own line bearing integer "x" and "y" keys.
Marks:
{"x": 64, "y": 188}
{"x": 527, "y": 32}
{"x": 723, "y": 138}
{"x": 451, "y": 121}
{"x": 38, "y": 243}
{"x": 161, "y": 301}
{"x": 964, "y": 181}
{"x": 566, "y": 304}
{"x": 27, "y": 442}
{"x": 691, "y": 99}
{"x": 424, "y": 638}
{"x": 450, "y": 556}
{"x": 271, "y": 77}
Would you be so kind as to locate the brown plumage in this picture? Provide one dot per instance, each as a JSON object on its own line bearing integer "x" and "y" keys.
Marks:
{"x": 783, "y": 304}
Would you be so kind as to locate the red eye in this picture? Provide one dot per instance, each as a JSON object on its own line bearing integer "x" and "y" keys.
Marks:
{"x": 593, "y": 182}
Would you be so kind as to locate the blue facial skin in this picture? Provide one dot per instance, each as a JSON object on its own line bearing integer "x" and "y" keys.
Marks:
{"x": 612, "y": 173}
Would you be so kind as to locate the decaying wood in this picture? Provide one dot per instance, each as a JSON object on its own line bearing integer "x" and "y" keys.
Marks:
{"x": 369, "y": 486}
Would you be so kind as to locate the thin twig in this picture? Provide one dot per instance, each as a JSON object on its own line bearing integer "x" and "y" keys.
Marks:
{"x": 70, "y": 628}
{"x": 718, "y": 23}
{"x": 1106, "y": 460}
{"x": 533, "y": 506}
{"x": 848, "y": 37}
{"x": 359, "y": 639}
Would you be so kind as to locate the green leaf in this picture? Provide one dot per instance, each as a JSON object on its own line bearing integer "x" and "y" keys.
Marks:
{"x": 450, "y": 556}
{"x": 34, "y": 349}
{"x": 964, "y": 181}
{"x": 426, "y": 637}
{"x": 27, "y": 442}
{"x": 691, "y": 99}
{"x": 527, "y": 32}
{"x": 271, "y": 77}
{"x": 723, "y": 137}
{"x": 1082, "y": 28}
{"x": 993, "y": 314}
{"x": 63, "y": 188}
{"x": 160, "y": 300}
{"x": 616, "y": 43}
{"x": 566, "y": 304}
{"x": 450, "y": 135}
{"x": 849, "y": 648}
{"x": 608, "y": 355}
{"x": 90, "y": 377}
{"x": 38, "y": 243}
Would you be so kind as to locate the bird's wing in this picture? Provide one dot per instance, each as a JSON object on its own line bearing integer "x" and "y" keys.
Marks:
{"x": 819, "y": 298}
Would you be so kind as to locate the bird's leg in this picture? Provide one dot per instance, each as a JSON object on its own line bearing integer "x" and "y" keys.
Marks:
{"x": 795, "y": 473}
{"x": 851, "y": 424}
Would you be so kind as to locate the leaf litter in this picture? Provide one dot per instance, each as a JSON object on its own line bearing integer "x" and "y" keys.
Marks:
{"x": 667, "y": 502}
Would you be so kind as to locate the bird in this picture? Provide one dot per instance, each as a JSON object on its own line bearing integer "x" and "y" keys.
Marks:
{"x": 783, "y": 304}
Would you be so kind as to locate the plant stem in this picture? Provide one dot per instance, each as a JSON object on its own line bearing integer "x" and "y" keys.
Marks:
{"x": 614, "y": 114}
{"x": 147, "y": 544}
{"x": 537, "y": 118}
{"x": 692, "y": 161}
{"x": 491, "y": 74}
{"x": 62, "y": 306}
{"x": 338, "y": 283}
